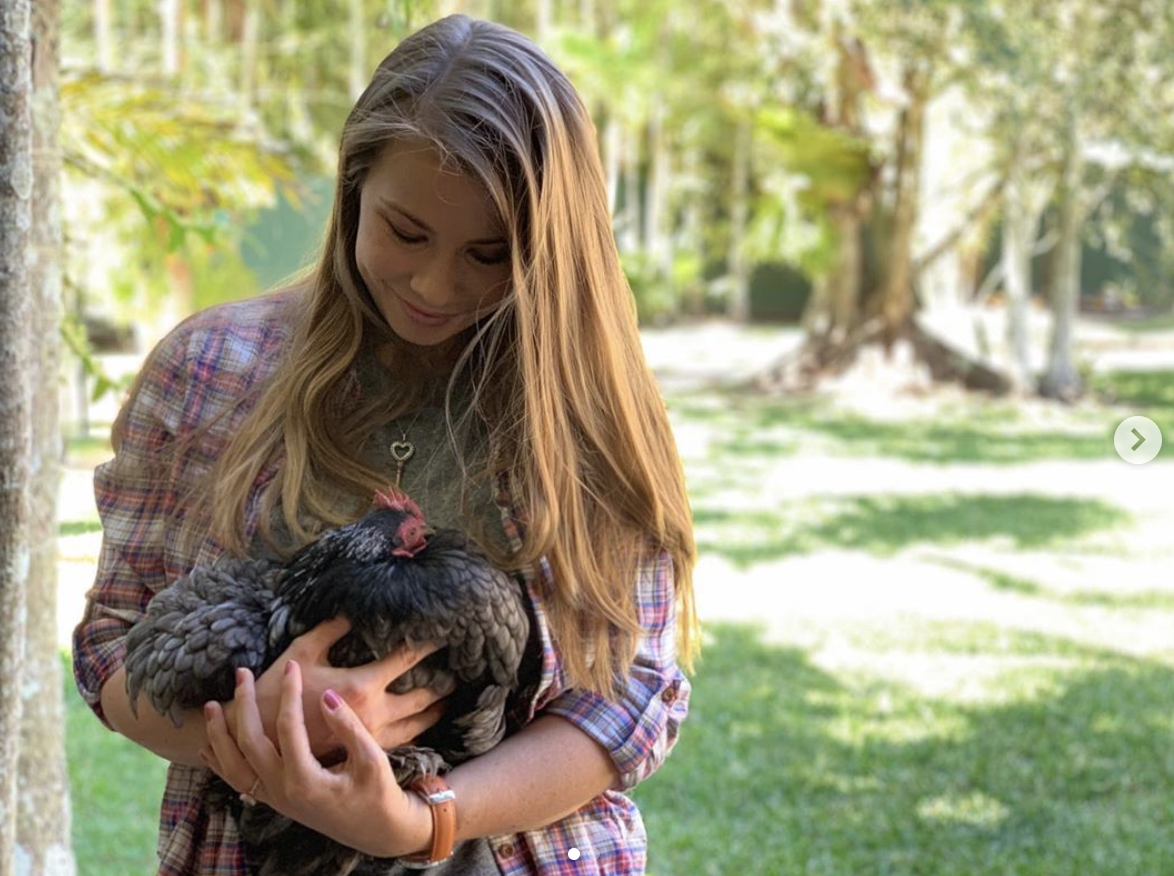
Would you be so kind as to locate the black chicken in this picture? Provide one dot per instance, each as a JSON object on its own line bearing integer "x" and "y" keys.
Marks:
{"x": 398, "y": 582}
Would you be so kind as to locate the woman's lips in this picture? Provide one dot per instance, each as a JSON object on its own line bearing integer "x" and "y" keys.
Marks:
{"x": 422, "y": 316}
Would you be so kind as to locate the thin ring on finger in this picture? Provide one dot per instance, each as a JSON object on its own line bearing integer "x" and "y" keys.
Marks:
{"x": 223, "y": 755}
{"x": 249, "y": 797}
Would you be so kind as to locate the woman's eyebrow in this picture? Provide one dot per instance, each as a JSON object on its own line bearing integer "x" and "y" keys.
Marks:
{"x": 392, "y": 205}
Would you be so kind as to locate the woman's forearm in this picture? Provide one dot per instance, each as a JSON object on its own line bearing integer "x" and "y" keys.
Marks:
{"x": 151, "y": 730}
{"x": 545, "y": 771}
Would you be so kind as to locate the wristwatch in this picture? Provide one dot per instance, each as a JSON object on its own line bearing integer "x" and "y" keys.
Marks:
{"x": 442, "y": 801}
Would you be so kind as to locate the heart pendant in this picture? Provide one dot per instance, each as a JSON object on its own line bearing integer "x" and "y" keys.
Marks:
{"x": 401, "y": 451}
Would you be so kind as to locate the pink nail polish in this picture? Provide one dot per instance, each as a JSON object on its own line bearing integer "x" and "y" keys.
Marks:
{"x": 289, "y": 667}
{"x": 333, "y": 700}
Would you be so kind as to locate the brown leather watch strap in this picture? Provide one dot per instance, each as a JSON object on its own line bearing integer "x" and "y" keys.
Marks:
{"x": 442, "y": 801}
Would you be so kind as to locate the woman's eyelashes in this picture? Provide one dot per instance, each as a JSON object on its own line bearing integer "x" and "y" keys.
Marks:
{"x": 408, "y": 239}
{"x": 403, "y": 236}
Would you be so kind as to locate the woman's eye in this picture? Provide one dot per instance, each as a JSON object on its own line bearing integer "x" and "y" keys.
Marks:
{"x": 403, "y": 235}
{"x": 490, "y": 259}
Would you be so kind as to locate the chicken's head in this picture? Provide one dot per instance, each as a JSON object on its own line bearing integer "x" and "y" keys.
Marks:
{"x": 412, "y": 530}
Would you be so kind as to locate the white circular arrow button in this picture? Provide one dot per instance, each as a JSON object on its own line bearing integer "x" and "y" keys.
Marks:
{"x": 1137, "y": 439}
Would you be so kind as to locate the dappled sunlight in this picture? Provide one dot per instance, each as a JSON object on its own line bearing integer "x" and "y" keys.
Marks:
{"x": 879, "y": 775}
{"x": 975, "y": 809}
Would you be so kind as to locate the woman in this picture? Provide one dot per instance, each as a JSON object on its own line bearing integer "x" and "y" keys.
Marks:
{"x": 468, "y": 307}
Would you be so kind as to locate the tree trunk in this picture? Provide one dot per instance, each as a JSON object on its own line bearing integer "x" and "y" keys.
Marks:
{"x": 740, "y": 215}
{"x": 834, "y": 307}
{"x": 16, "y": 181}
{"x": 169, "y": 36}
{"x": 1019, "y": 225}
{"x": 358, "y": 60}
{"x": 1062, "y": 381}
{"x": 213, "y": 21}
{"x": 543, "y": 20}
{"x": 43, "y": 820}
{"x": 896, "y": 294}
{"x": 833, "y": 310}
{"x": 629, "y": 224}
{"x": 103, "y": 35}
{"x": 612, "y": 136}
{"x": 249, "y": 35}
{"x": 657, "y": 242}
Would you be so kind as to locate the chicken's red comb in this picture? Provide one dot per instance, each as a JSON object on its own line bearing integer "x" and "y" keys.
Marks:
{"x": 395, "y": 499}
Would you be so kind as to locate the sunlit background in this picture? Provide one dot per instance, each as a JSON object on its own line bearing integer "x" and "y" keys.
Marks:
{"x": 902, "y": 268}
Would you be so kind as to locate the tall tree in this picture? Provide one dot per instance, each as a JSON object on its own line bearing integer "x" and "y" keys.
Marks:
{"x": 1125, "y": 98}
{"x": 43, "y": 821}
{"x": 834, "y": 307}
{"x": 16, "y": 182}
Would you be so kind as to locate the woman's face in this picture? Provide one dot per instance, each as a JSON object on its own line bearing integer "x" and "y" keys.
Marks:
{"x": 429, "y": 247}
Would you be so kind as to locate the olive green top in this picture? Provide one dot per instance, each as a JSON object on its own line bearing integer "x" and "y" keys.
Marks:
{"x": 432, "y": 476}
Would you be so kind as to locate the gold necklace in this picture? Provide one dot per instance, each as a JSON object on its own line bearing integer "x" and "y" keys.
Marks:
{"x": 403, "y": 450}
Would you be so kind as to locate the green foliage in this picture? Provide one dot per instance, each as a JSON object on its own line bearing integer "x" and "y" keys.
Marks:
{"x": 73, "y": 335}
{"x": 834, "y": 165}
{"x": 651, "y": 290}
{"x": 194, "y": 156}
{"x": 182, "y": 159}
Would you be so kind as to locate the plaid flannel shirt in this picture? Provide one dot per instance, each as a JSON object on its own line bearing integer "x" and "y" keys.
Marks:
{"x": 198, "y": 376}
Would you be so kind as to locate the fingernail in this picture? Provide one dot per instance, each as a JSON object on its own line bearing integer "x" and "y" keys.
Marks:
{"x": 289, "y": 667}
{"x": 333, "y": 700}
{"x": 240, "y": 676}
{"x": 209, "y": 711}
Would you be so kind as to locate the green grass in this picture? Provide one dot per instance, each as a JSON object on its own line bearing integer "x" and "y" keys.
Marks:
{"x": 751, "y": 430}
{"x": 116, "y": 788}
{"x": 888, "y": 523}
{"x": 1032, "y": 741}
{"x": 78, "y": 527}
{"x": 785, "y": 768}
{"x": 1162, "y": 322}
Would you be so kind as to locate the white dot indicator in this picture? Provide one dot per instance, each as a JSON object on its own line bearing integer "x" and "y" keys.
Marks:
{"x": 573, "y": 854}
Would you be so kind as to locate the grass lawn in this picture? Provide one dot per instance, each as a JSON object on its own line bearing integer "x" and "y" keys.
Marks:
{"x": 938, "y": 642}
{"x": 116, "y": 788}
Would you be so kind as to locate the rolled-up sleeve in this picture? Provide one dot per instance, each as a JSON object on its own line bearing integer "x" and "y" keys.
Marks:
{"x": 135, "y": 498}
{"x": 640, "y": 726}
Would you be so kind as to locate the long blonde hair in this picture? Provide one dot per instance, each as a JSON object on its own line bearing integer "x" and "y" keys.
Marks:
{"x": 557, "y": 371}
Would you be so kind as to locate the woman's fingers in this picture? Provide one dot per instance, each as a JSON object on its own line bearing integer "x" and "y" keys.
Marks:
{"x": 422, "y": 721}
{"x": 363, "y": 751}
{"x": 315, "y": 644}
{"x": 292, "y": 737}
{"x": 424, "y": 709}
{"x": 223, "y": 754}
{"x": 394, "y": 664}
{"x": 262, "y": 757}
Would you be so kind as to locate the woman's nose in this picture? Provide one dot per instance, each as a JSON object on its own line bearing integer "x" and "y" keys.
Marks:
{"x": 434, "y": 280}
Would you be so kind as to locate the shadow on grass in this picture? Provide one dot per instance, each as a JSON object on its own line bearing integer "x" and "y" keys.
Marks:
{"x": 886, "y": 524}
{"x": 1146, "y": 599}
{"x": 747, "y": 425}
{"x": 1150, "y": 390}
{"x": 783, "y": 769}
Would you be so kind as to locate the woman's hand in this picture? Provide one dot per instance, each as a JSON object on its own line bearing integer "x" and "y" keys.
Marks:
{"x": 392, "y": 719}
{"x": 356, "y": 802}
